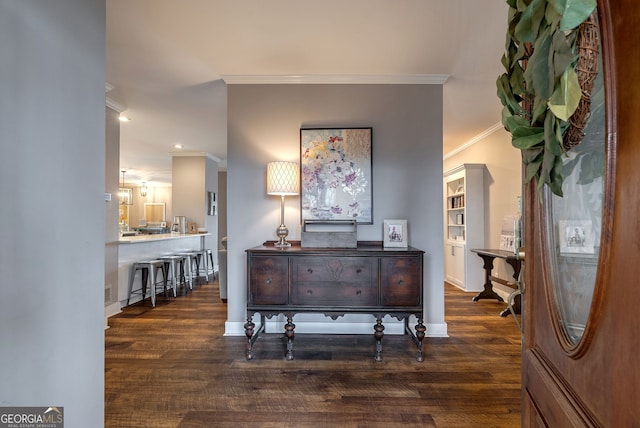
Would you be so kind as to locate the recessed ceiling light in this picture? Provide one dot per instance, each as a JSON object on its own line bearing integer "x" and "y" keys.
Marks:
{"x": 178, "y": 146}
{"x": 123, "y": 118}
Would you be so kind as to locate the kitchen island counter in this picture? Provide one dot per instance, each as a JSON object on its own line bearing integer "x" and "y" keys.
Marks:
{"x": 148, "y": 247}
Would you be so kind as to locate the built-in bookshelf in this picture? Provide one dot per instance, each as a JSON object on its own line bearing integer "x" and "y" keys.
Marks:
{"x": 464, "y": 225}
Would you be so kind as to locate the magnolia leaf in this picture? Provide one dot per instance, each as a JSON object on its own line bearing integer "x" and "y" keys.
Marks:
{"x": 551, "y": 168}
{"x": 506, "y": 63}
{"x": 537, "y": 73}
{"x": 512, "y": 121}
{"x": 563, "y": 54}
{"x": 527, "y": 28}
{"x": 565, "y": 99}
{"x": 524, "y": 137}
{"x": 513, "y": 18}
{"x": 521, "y": 5}
{"x": 552, "y": 15}
{"x": 516, "y": 81}
{"x": 532, "y": 158}
{"x": 506, "y": 95}
{"x": 521, "y": 52}
{"x": 539, "y": 110}
{"x": 532, "y": 170}
{"x": 574, "y": 12}
{"x": 552, "y": 144}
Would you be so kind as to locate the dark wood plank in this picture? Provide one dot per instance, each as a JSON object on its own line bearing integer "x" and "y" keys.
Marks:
{"x": 170, "y": 366}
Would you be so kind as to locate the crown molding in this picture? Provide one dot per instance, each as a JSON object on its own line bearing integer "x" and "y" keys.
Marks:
{"x": 197, "y": 154}
{"x": 344, "y": 79}
{"x": 481, "y": 136}
{"x": 113, "y": 105}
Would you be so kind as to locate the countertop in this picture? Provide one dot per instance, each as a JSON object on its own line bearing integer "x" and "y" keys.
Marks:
{"x": 158, "y": 237}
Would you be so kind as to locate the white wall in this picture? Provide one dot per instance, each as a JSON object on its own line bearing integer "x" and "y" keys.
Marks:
{"x": 263, "y": 125}
{"x": 52, "y": 166}
{"x": 502, "y": 186}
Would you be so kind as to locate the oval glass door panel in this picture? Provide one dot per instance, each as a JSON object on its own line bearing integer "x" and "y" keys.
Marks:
{"x": 574, "y": 224}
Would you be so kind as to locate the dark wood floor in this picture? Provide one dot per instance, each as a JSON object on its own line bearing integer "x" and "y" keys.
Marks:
{"x": 170, "y": 366}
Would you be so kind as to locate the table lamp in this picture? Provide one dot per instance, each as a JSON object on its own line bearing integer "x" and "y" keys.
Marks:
{"x": 283, "y": 179}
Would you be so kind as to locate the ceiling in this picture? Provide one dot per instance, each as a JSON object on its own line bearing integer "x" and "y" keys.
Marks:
{"x": 168, "y": 62}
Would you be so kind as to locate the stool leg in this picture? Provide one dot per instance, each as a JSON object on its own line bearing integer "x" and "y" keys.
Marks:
{"x": 145, "y": 279}
{"x": 132, "y": 275}
{"x": 210, "y": 254}
{"x": 181, "y": 276}
{"x": 205, "y": 264}
{"x": 190, "y": 273}
{"x": 196, "y": 259}
{"x": 152, "y": 285}
{"x": 173, "y": 277}
{"x": 165, "y": 274}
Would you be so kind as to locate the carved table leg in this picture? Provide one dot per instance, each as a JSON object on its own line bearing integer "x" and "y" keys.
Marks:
{"x": 488, "y": 292}
{"x": 248, "y": 331}
{"x": 420, "y": 333}
{"x": 379, "y": 334}
{"x": 289, "y": 333}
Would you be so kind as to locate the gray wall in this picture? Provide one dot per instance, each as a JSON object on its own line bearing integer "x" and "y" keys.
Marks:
{"x": 192, "y": 177}
{"x": 222, "y": 206}
{"x": 111, "y": 230}
{"x": 52, "y": 106}
{"x": 263, "y": 125}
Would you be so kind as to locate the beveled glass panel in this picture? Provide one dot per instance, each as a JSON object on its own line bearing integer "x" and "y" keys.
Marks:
{"x": 574, "y": 224}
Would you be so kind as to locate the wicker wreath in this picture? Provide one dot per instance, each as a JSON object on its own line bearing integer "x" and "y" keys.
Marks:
{"x": 587, "y": 70}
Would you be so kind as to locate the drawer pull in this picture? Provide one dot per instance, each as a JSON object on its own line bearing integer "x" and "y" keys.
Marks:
{"x": 359, "y": 292}
{"x": 358, "y": 270}
{"x": 309, "y": 292}
{"x": 310, "y": 270}
{"x": 401, "y": 282}
{"x": 268, "y": 281}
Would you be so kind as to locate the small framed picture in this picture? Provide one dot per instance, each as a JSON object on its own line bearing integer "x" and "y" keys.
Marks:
{"x": 576, "y": 236}
{"x": 212, "y": 203}
{"x": 395, "y": 233}
{"x": 193, "y": 228}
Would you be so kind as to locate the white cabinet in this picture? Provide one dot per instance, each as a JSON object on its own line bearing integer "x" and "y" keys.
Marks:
{"x": 454, "y": 262}
{"x": 464, "y": 226}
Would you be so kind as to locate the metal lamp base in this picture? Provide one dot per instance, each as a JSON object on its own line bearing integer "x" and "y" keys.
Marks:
{"x": 282, "y": 233}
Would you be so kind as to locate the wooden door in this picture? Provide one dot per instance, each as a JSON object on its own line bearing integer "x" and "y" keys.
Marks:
{"x": 581, "y": 350}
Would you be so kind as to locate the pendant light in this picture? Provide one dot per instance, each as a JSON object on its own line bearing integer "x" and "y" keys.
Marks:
{"x": 125, "y": 196}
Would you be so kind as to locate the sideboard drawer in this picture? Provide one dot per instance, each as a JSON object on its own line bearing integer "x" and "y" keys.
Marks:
{"x": 401, "y": 281}
{"x": 269, "y": 284}
{"x": 334, "y": 281}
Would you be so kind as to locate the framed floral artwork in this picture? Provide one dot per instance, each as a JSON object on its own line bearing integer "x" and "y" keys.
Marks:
{"x": 335, "y": 174}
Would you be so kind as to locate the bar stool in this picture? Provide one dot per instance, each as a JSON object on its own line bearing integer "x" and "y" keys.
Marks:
{"x": 186, "y": 268}
{"x": 175, "y": 265}
{"x": 211, "y": 265}
{"x": 200, "y": 256}
{"x": 148, "y": 270}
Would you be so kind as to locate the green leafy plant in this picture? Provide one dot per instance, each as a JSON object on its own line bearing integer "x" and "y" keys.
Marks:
{"x": 540, "y": 90}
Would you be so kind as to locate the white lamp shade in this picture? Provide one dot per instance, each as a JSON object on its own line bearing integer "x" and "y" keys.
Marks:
{"x": 283, "y": 178}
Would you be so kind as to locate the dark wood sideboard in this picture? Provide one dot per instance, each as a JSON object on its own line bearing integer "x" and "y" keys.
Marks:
{"x": 369, "y": 279}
